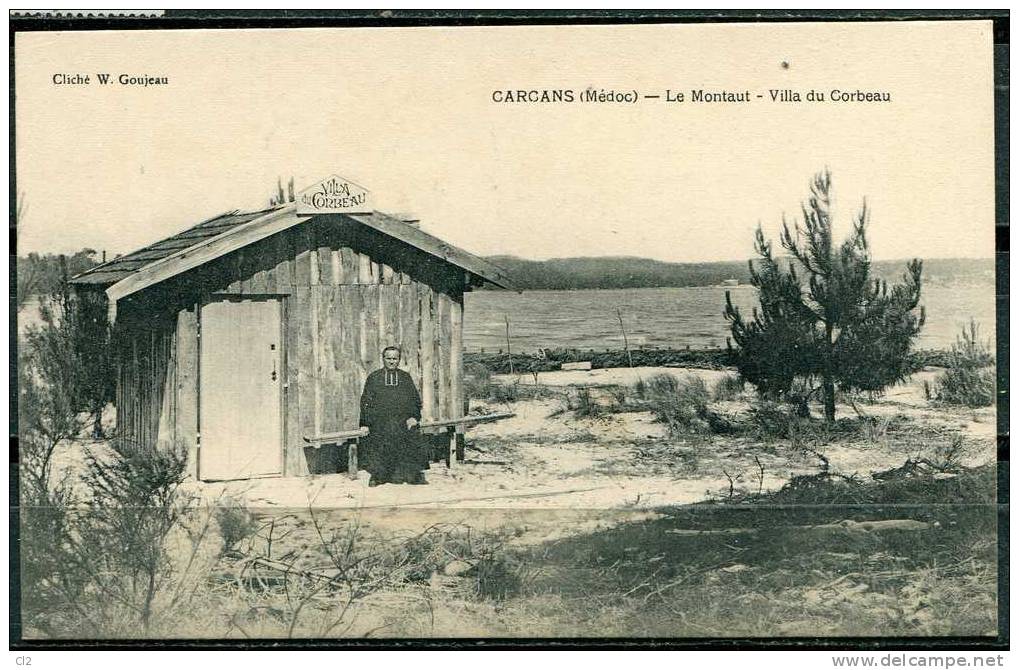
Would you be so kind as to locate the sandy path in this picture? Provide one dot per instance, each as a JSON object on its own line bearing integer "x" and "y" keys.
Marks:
{"x": 549, "y": 470}
{"x": 548, "y": 458}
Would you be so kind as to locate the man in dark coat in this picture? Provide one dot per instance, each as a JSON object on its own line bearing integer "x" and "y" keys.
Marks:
{"x": 391, "y": 409}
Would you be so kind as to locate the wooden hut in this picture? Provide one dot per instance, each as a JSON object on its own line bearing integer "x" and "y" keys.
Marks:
{"x": 247, "y": 338}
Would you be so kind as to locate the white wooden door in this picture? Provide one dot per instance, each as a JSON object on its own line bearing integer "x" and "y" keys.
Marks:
{"x": 241, "y": 380}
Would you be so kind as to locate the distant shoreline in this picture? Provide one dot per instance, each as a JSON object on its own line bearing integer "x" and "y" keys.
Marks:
{"x": 609, "y": 272}
{"x": 707, "y": 359}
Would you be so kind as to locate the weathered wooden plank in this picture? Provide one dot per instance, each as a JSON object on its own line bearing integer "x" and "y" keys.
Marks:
{"x": 352, "y": 374}
{"x": 331, "y": 419}
{"x": 350, "y": 264}
{"x": 442, "y": 346}
{"x": 304, "y": 245}
{"x": 302, "y": 268}
{"x": 472, "y": 420}
{"x": 388, "y": 274}
{"x": 370, "y": 352}
{"x": 152, "y": 404}
{"x": 118, "y": 394}
{"x": 233, "y": 264}
{"x": 325, "y": 264}
{"x": 307, "y": 384}
{"x": 336, "y": 266}
{"x": 285, "y": 269}
{"x": 166, "y": 435}
{"x": 336, "y": 436}
{"x": 260, "y": 282}
{"x": 313, "y": 278}
{"x": 246, "y": 270}
{"x": 389, "y": 316}
{"x": 316, "y": 370}
{"x": 352, "y": 466}
{"x": 456, "y": 360}
{"x": 131, "y": 390}
{"x": 428, "y": 409}
{"x": 276, "y": 250}
{"x": 338, "y": 404}
{"x": 410, "y": 327}
{"x": 294, "y": 463}
{"x": 364, "y": 269}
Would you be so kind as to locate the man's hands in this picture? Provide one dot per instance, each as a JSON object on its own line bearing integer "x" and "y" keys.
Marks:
{"x": 412, "y": 423}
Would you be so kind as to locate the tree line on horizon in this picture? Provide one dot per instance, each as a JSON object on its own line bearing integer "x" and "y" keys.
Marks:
{"x": 617, "y": 272}
{"x": 42, "y": 274}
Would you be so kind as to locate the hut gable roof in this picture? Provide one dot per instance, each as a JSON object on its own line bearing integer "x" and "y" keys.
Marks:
{"x": 231, "y": 231}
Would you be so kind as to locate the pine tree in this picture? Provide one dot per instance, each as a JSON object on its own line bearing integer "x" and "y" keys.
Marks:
{"x": 839, "y": 326}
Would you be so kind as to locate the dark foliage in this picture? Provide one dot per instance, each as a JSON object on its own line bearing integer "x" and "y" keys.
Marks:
{"x": 825, "y": 317}
{"x": 969, "y": 377}
{"x": 71, "y": 351}
{"x": 45, "y": 274}
{"x": 552, "y": 359}
{"x": 609, "y": 272}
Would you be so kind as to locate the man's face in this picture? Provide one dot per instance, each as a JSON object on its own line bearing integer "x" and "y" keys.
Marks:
{"x": 391, "y": 359}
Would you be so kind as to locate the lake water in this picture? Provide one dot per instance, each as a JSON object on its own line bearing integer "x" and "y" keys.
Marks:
{"x": 655, "y": 317}
{"x": 669, "y": 317}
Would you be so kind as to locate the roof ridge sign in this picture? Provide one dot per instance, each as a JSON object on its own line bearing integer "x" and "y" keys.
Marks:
{"x": 334, "y": 195}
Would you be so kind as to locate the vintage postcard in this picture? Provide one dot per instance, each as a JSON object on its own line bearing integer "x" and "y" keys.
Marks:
{"x": 673, "y": 331}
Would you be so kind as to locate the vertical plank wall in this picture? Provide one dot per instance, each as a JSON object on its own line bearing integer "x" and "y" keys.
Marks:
{"x": 146, "y": 392}
{"x": 342, "y": 306}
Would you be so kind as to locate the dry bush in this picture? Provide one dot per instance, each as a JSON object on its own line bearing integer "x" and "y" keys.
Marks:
{"x": 508, "y": 393}
{"x": 968, "y": 381}
{"x": 128, "y": 555}
{"x": 682, "y": 404}
{"x": 235, "y": 522}
{"x": 477, "y": 381}
{"x": 770, "y": 420}
{"x": 332, "y": 572}
{"x": 729, "y": 387}
{"x": 585, "y": 406}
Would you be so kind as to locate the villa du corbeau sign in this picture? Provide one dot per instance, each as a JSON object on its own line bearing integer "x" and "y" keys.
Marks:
{"x": 334, "y": 195}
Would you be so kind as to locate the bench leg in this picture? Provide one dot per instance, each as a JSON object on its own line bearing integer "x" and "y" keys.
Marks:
{"x": 451, "y": 451}
{"x": 352, "y": 459}
{"x": 461, "y": 444}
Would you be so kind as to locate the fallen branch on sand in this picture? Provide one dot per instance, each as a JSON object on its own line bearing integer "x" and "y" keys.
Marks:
{"x": 848, "y": 525}
{"x": 288, "y": 569}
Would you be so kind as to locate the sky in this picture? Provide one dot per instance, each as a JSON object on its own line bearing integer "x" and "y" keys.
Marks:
{"x": 409, "y": 114}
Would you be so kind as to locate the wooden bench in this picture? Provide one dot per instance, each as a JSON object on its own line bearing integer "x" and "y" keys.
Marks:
{"x": 454, "y": 429}
{"x": 348, "y": 437}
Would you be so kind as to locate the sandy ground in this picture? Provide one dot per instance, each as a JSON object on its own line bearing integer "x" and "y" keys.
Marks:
{"x": 547, "y": 458}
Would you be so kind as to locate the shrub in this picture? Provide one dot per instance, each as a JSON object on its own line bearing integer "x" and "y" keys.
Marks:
{"x": 477, "y": 381}
{"x": 584, "y": 404}
{"x": 968, "y": 380}
{"x": 125, "y": 558}
{"x": 507, "y": 393}
{"x": 44, "y": 505}
{"x": 681, "y": 404}
{"x": 235, "y": 521}
{"x": 729, "y": 387}
{"x": 72, "y": 349}
{"x": 770, "y": 419}
{"x": 498, "y": 577}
